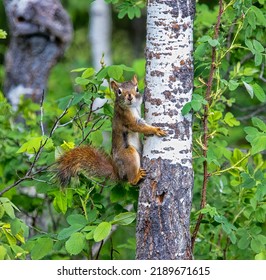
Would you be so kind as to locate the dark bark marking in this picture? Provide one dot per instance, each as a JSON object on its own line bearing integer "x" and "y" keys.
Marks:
{"x": 157, "y": 73}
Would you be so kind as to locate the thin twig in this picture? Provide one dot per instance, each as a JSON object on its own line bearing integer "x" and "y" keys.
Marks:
{"x": 206, "y": 175}
{"x": 56, "y": 123}
{"x": 84, "y": 138}
{"x": 30, "y": 174}
{"x": 42, "y": 113}
{"x": 262, "y": 72}
{"x": 99, "y": 250}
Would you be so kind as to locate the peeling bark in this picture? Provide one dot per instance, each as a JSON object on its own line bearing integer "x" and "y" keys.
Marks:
{"x": 40, "y": 32}
{"x": 166, "y": 195}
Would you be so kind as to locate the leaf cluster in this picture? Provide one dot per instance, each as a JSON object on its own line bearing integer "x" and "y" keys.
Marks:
{"x": 233, "y": 224}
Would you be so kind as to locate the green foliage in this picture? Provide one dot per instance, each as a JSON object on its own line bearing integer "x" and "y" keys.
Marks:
{"x": 88, "y": 210}
{"x": 233, "y": 225}
{"x": 131, "y": 8}
{"x": 3, "y": 34}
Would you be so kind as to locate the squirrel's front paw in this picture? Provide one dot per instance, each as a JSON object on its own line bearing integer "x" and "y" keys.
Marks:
{"x": 160, "y": 132}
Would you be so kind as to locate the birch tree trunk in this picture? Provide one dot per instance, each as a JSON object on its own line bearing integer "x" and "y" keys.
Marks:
{"x": 166, "y": 194}
{"x": 100, "y": 32}
{"x": 40, "y": 32}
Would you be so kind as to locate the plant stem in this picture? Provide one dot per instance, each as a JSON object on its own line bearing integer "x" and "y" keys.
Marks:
{"x": 206, "y": 175}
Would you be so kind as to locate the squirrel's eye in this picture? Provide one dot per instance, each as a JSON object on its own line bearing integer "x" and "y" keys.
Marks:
{"x": 119, "y": 91}
{"x": 137, "y": 89}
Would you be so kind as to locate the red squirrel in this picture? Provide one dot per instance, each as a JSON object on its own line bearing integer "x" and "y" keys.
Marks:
{"x": 124, "y": 162}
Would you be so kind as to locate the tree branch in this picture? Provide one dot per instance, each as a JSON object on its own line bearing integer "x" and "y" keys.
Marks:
{"x": 206, "y": 175}
{"x": 30, "y": 174}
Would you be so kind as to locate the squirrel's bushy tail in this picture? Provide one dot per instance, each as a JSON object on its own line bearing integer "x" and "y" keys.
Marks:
{"x": 94, "y": 162}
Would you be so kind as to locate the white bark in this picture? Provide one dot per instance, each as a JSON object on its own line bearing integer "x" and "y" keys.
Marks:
{"x": 166, "y": 194}
{"x": 171, "y": 41}
{"x": 100, "y": 30}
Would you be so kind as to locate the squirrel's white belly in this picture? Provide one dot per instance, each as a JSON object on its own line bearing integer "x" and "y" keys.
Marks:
{"x": 133, "y": 140}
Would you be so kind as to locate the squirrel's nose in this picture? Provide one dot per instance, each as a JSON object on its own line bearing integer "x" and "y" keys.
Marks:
{"x": 129, "y": 97}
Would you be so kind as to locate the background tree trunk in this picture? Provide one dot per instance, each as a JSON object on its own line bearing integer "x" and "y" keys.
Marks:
{"x": 100, "y": 30}
{"x": 40, "y": 32}
{"x": 165, "y": 196}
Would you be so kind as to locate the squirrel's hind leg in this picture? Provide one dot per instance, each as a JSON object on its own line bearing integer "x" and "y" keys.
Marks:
{"x": 134, "y": 172}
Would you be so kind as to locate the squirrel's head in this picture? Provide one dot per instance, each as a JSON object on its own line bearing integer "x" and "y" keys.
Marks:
{"x": 127, "y": 93}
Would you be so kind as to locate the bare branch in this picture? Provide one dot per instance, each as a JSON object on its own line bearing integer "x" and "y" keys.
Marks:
{"x": 42, "y": 113}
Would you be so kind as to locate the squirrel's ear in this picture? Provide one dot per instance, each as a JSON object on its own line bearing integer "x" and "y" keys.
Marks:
{"x": 114, "y": 85}
{"x": 135, "y": 80}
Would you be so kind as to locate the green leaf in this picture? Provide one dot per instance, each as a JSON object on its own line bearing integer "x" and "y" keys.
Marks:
{"x": 212, "y": 211}
{"x": 66, "y": 232}
{"x": 102, "y": 231}
{"x": 259, "y": 92}
{"x": 76, "y": 243}
{"x": 96, "y": 137}
{"x": 200, "y": 50}
{"x": 232, "y": 237}
{"x": 81, "y": 81}
{"x": 61, "y": 201}
{"x": 42, "y": 247}
{"x": 3, "y": 34}
{"x": 233, "y": 85}
{"x": 186, "y": 109}
{"x": 92, "y": 215}
{"x": 259, "y": 13}
{"x": 89, "y": 235}
{"x": 243, "y": 242}
{"x": 126, "y": 68}
{"x": 78, "y": 69}
{"x": 197, "y": 102}
{"x": 260, "y": 215}
{"x": 89, "y": 72}
{"x": 247, "y": 181}
{"x": 124, "y": 218}
{"x": 249, "y": 89}
{"x": 231, "y": 120}
{"x": 115, "y": 72}
{"x": 256, "y": 138}
{"x": 213, "y": 42}
{"x": 9, "y": 210}
{"x": 250, "y": 46}
{"x": 3, "y": 252}
{"x": 2, "y": 211}
{"x": 251, "y": 19}
{"x": 15, "y": 226}
{"x": 131, "y": 12}
{"x": 261, "y": 256}
{"x": 102, "y": 74}
{"x": 65, "y": 101}
{"x": 256, "y": 245}
{"x": 89, "y": 228}
{"x": 259, "y": 123}
{"x": 122, "y": 13}
{"x": 34, "y": 144}
{"x": 118, "y": 193}
{"x": 77, "y": 219}
{"x": 258, "y": 58}
{"x": 258, "y": 46}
